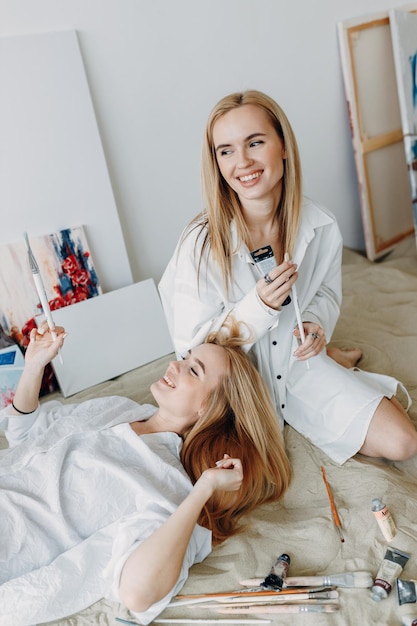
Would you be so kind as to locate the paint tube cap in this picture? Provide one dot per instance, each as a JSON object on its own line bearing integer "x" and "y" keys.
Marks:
{"x": 377, "y": 505}
{"x": 378, "y": 593}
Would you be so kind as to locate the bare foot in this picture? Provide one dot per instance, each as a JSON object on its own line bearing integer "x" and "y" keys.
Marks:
{"x": 347, "y": 357}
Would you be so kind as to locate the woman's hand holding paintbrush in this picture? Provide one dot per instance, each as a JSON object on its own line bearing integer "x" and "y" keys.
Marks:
{"x": 312, "y": 336}
{"x": 41, "y": 291}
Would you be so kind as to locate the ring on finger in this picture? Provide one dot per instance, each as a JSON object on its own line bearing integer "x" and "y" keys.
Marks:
{"x": 314, "y": 335}
{"x": 268, "y": 279}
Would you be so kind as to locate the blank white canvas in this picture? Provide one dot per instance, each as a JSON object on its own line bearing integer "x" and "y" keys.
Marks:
{"x": 109, "y": 335}
{"x": 53, "y": 173}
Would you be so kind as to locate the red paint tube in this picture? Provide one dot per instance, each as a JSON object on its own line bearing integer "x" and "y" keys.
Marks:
{"x": 391, "y": 567}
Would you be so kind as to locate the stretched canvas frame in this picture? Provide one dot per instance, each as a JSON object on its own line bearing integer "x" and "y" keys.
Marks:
{"x": 52, "y": 165}
{"x": 115, "y": 333}
{"x": 404, "y": 41}
{"x": 374, "y": 114}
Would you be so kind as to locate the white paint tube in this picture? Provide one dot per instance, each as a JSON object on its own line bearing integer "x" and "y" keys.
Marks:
{"x": 391, "y": 567}
{"x": 384, "y": 518}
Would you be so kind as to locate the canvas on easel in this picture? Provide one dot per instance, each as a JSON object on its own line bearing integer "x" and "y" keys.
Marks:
{"x": 404, "y": 41}
{"x": 377, "y": 138}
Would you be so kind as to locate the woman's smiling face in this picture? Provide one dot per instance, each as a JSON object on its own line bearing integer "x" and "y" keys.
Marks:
{"x": 181, "y": 393}
{"x": 250, "y": 154}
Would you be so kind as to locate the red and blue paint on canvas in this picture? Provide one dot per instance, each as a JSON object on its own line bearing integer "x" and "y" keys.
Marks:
{"x": 68, "y": 274}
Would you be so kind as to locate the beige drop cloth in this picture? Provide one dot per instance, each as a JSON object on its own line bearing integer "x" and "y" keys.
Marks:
{"x": 379, "y": 315}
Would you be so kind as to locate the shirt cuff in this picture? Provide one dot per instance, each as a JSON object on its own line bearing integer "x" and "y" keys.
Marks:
{"x": 257, "y": 315}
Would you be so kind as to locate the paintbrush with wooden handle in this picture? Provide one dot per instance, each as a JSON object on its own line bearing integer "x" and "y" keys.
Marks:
{"x": 281, "y": 608}
{"x": 310, "y": 598}
{"x": 244, "y": 596}
{"x": 247, "y": 593}
{"x": 358, "y": 580}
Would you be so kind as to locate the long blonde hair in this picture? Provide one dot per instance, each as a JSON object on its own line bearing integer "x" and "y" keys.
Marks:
{"x": 222, "y": 203}
{"x": 238, "y": 419}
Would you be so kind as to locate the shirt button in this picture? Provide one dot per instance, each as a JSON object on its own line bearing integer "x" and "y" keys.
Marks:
{"x": 282, "y": 406}
{"x": 279, "y": 376}
{"x": 274, "y": 343}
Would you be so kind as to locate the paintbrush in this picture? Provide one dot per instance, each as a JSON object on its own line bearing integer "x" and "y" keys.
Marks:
{"x": 181, "y": 620}
{"x": 37, "y": 279}
{"x": 335, "y": 514}
{"x": 176, "y": 620}
{"x": 283, "y": 608}
{"x": 358, "y": 580}
{"x": 297, "y": 310}
{"x": 310, "y": 598}
{"x": 242, "y": 596}
{"x": 332, "y": 594}
{"x": 248, "y": 593}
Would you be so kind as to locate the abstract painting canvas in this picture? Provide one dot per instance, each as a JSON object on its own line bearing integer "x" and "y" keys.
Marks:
{"x": 68, "y": 275}
{"x": 404, "y": 42}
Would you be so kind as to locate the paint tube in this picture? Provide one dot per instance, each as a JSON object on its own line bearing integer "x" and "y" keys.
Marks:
{"x": 384, "y": 518}
{"x": 406, "y": 591}
{"x": 276, "y": 577}
{"x": 391, "y": 567}
{"x": 409, "y": 620}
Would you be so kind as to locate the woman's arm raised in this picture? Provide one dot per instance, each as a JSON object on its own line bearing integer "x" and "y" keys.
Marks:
{"x": 154, "y": 566}
{"x": 41, "y": 350}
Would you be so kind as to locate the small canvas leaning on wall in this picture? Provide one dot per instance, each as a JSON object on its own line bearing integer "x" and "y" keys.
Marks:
{"x": 11, "y": 367}
{"x": 69, "y": 276}
{"x": 404, "y": 43}
{"x": 374, "y": 115}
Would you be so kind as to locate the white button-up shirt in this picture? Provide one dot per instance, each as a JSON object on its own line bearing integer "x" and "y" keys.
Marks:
{"x": 196, "y": 306}
{"x": 79, "y": 490}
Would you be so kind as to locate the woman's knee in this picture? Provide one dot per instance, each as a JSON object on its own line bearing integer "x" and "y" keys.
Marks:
{"x": 406, "y": 445}
{"x": 391, "y": 433}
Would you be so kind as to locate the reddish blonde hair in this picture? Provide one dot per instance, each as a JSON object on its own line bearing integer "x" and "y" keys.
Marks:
{"x": 238, "y": 419}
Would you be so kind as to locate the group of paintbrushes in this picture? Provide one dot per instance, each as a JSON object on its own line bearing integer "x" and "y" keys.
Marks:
{"x": 278, "y": 593}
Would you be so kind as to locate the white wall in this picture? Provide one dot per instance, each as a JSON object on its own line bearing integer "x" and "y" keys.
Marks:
{"x": 156, "y": 68}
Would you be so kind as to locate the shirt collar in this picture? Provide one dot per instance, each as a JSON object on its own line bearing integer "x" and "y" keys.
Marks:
{"x": 242, "y": 251}
{"x": 312, "y": 217}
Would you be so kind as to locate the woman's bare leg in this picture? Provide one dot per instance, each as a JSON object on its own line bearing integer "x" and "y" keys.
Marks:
{"x": 347, "y": 357}
{"x": 391, "y": 433}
